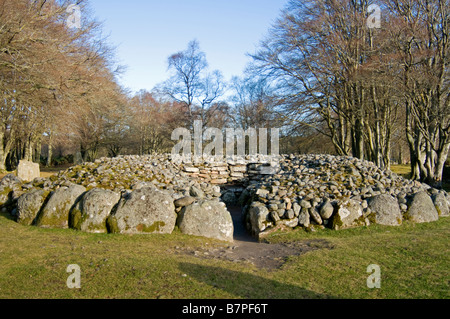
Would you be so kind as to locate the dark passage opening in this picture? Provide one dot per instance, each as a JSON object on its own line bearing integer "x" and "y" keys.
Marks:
{"x": 231, "y": 194}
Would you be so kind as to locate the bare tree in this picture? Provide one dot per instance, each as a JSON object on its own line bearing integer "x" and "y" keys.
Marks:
{"x": 328, "y": 66}
{"x": 192, "y": 85}
{"x": 422, "y": 31}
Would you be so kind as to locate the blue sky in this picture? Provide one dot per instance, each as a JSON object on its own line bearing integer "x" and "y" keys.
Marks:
{"x": 147, "y": 32}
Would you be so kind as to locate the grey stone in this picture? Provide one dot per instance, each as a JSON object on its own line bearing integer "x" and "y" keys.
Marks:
{"x": 29, "y": 205}
{"x": 5, "y": 196}
{"x": 327, "y": 209}
{"x": 305, "y": 204}
{"x": 56, "y": 212}
{"x": 259, "y": 217}
{"x": 315, "y": 216}
{"x": 441, "y": 204}
{"x": 289, "y": 214}
{"x": 196, "y": 192}
{"x": 281, "y": 212}
{"x": 28, "y": 171}
{"x": 385, "y": 210}
{"x": 141, "y": 185}
{"x": 10, "y": 181}
{"x": 296, "y": 207}
{"x": 292, "y": 223}
{"x": 262, "y": 192}
{"x": 303, "y": 218}
{"x": 191, "y": 169}
{"x": 144, "y": 211}
{"x": 275, "y": 217}
{"x": 185, "y": 201}
{"x": 207, "y": 219}
{"x": 91, "y": 212}
{"x": 347, "y": 215}
{"x": 421, "y": 209}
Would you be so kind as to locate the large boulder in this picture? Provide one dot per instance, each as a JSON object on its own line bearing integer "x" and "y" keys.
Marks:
{"x": 421, "y": 209}
{"x": 5, "y": 196}
{"x": 91, "y": 212}
{"x": 55, "y": 214}
{"x": 348, "y": 214}
{"x": 144, "y": 211}
{"x": 8, "y": 183}
{"x": 385, "y": 210}
{"x": 208, "y": 219}
{"x": 441, "y": 204}
{"x": 259, "y": 218}
{"x": 29, "y": 206}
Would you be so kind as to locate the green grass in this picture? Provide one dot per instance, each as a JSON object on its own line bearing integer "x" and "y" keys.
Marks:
{"x": 413, "y": 259}
{"x": 405, "y": 172}
{"x": 402, "y": 170}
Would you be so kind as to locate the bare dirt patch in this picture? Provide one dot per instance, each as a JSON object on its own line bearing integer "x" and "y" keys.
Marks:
{"x": 246, "y": 249}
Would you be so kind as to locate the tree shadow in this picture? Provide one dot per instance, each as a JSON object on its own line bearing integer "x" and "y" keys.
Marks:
{"x": 247, "y": 286}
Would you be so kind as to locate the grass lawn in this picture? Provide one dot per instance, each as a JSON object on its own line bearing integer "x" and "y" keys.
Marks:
{"x": 413, "y": 258}
{"x": 405, "y": 171}
{"x": 414, "y": 261}
{"x": 402, "y": 170}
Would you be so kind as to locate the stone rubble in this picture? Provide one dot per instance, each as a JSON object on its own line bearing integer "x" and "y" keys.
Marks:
{"x": 306, "y": 191}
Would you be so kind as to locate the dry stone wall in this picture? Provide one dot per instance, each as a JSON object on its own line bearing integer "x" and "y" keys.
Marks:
{"x": 156, "y": 194}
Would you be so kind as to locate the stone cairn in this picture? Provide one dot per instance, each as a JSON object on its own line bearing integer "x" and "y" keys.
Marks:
{"x": 155, "y": 194}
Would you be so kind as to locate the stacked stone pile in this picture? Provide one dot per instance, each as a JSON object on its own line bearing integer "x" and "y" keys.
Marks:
{"x": 154, "y": 194}
{"x": 338, "y": 192}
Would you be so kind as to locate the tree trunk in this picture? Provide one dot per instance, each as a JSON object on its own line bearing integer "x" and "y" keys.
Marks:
{"x": 3, "y": 155}
{"x": 37, "y": 151}
{"x": 50, "y": 152}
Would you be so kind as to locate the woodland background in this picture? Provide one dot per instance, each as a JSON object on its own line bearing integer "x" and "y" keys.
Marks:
{"x": 328, "y": 80}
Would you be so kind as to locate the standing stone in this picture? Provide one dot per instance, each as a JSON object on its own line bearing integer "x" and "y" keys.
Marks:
{"x": 208, "y": 219}
{"x": 28, "y": 171}
{"x": 421, "y": 209}
{"x": 385, "y": 210}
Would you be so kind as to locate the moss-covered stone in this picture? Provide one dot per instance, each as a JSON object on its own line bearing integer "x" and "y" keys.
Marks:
{"x": 112, "y": 226}
{"x": 156, "y": 227}
{"x": 75, "y": 219}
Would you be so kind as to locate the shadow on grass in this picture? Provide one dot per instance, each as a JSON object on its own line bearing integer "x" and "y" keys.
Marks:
{"x": 247, "y": 286}
{"x": 7, "y": 216}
